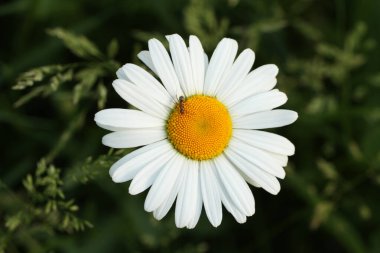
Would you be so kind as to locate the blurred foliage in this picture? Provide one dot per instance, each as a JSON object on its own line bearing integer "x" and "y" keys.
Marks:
{"x": 53, "y": 80}
{"x": 43, "y": 210}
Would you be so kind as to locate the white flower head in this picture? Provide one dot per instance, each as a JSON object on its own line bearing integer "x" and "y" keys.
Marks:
{"x": 200, "y": 128}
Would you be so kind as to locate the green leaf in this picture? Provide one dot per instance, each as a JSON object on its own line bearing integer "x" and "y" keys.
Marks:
{"x": 78, "y": 44}
{"x": 87, "y": 79}
{"x": 33, "y": 76}
{"x": 113, "y": 48}
{"x": 53, "y": 75}
{"x": 102, "y": 95}
{"x": 14, "y": 221}
{"x": 200, "y": 19}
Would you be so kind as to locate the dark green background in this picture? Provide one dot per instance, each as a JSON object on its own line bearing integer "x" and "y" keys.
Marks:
{"x": 328, "y": 56}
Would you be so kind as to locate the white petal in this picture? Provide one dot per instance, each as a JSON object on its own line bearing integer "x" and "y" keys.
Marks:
{"x": 282, "y": 160}
{"x": 164, "y": 67}
{"x": 235, "y": 186}
{"x": 186, "y": 199}
{"x": 180, "y": 207}
{"x": 111, "y": 128}
{"x": 230, "y": 206}
{"x": 268, "y": 141}
{"x": 128, "y": 166}
{"x": 258, "y": 157}
{"x": 182, "y": 64}
{"x": 197, "y": 63}
{"x": 221, "y": 61}
{"x": 120, "y": 119}
{"x": 249, "y": 180}
{"x": 198, "y": 202}
{"x": 164, "y": 183}
{"x": 133, "y": 95}
{"x": 131, "y": 138}
{"x": 164, "y": 208}
{"x": 267, "y": 181}
{"x": 210, "y": 193}
{"x": 121, "y": 75}
{"x": 147, "y": 83}
{"x": 206, "y": 65}
{"x": 145, "y": 57}
{"x": 268, "y": 119}
{"x": 259, "y": 80}
{"x": 258, "y": 103}
{"x": 236, "y": 74}
{"x": 146, "y": 176}
{"x": 187, "y": 196}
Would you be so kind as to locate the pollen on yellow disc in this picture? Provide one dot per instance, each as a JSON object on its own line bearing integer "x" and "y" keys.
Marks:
{"x": 202, "y": 129}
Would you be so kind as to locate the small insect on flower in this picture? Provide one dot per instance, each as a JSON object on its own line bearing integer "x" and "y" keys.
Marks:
{"x": 199, "y": 130}
{"x": 181, "y": 104}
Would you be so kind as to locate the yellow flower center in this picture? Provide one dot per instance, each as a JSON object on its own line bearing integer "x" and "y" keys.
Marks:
{"x": 199, "y": 127}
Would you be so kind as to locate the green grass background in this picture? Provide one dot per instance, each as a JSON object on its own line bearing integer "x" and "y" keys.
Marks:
{"x": 55, "y": 192}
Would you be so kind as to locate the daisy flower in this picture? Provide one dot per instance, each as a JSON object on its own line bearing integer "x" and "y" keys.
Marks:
{"x": 199, "y": 124}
